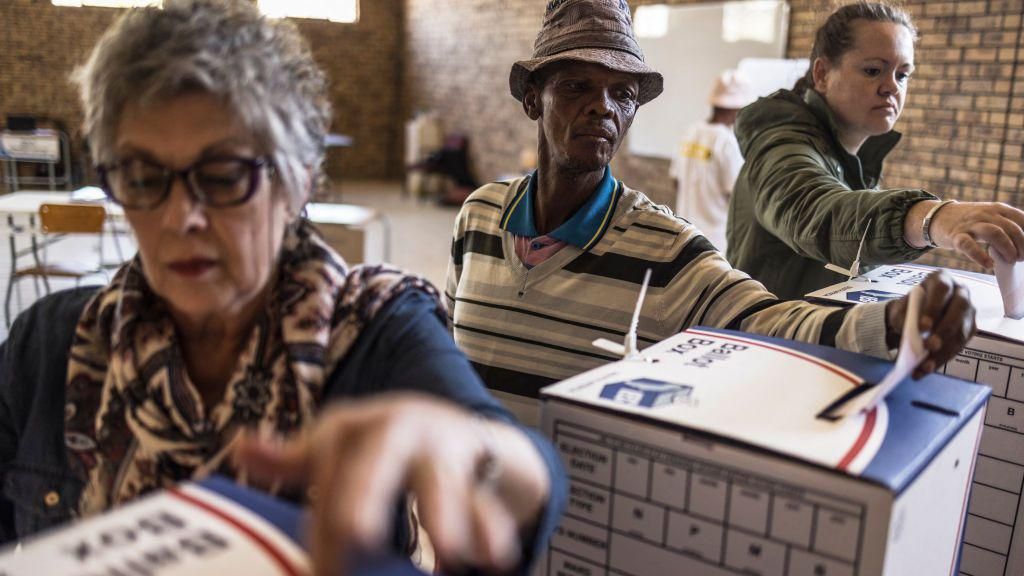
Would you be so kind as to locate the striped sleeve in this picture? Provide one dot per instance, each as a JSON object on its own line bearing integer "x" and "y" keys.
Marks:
{"x": 469, "y": 236}
{"x": 454, "y": 272}
{"x": 731, "y": 299}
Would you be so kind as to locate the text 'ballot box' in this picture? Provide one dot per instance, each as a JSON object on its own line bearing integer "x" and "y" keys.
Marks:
{"x": 210, "y": 528}
{"x": 706, "y": 456}
{"x": 994, "y": 538}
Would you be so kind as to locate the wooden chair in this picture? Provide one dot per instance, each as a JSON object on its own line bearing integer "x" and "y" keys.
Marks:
{"x": 56, "y": 220}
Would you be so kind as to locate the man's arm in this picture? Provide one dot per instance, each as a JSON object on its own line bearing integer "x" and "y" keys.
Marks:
{"x": 731, "y": 299}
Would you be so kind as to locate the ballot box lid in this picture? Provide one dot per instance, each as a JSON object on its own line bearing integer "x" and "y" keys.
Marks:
{"x": 210, "y": 527}
{"x": 768, "y": 393}
{"x": 889, "y": 282}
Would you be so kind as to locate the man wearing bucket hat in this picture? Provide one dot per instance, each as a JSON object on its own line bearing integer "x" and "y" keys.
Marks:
{"x": 544, "y": 264}
{"x": 708, "y": 160}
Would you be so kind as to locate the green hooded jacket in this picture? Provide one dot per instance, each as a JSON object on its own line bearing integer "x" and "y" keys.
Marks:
{"x": 802, "y": 201}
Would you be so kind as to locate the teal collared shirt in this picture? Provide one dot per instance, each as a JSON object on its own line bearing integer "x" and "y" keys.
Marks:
{"x": 583, "y": 230}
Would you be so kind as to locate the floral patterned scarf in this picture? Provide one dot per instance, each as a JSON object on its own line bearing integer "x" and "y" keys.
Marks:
{"x": 134, "y": 421}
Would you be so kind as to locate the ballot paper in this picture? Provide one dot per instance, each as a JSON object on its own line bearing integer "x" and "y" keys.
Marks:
{"x": 1010, "y": 276}
{"x": 911, "y": 353}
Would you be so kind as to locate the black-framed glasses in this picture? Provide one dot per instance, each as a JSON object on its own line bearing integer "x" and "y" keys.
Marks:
{"x": 140, "y": 184}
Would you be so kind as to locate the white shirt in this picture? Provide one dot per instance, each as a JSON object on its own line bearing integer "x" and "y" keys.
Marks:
{"x": 706, "y": 165}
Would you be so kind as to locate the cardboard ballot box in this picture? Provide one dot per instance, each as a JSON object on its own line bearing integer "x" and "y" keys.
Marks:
{"x": 214, "y": 527}
{"x": 705, "y": 456}
{"x": 994, "y": 539}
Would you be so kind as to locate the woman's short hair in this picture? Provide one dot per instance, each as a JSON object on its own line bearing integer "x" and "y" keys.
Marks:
{"x": 835, "y": 37}
{"x": 261, "y": 68}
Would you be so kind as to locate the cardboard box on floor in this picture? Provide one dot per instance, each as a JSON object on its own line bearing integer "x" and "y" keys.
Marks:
{"x": 358, "y": 233}
{"x": 706, "y": 456}
{"x": 994, "y": 539}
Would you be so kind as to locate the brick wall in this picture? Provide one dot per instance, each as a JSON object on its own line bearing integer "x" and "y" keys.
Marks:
{"x": 963, "y": 124}
{"x": 41, "y": 43}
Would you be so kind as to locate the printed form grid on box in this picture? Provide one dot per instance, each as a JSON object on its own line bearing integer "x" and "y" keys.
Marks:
{"x": 996, "y": 508}
{"x": 628, "y": 499}
{"x": 993, "y": 543}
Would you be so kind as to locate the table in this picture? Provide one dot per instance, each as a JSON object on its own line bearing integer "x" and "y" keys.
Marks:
{"x": 337, "y": 141}
{"x": 345, "y": 226}
{"x": 360, "y": 234}
{"x": 51, "y": 148}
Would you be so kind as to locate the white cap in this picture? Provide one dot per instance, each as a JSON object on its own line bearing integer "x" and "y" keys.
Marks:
{"x": 732, "y": 91}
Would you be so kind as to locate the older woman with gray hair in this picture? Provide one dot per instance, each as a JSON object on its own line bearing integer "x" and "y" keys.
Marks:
{"x": 237, "y": 341}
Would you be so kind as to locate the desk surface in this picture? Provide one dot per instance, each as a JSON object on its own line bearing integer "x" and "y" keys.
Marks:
{"x": 25, "y": 203}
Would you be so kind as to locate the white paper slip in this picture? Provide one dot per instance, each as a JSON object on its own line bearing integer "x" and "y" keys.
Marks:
{"x": 912, "y": 352}
{"x": 88, "y": 194}
{"x": 628, "y": 347}
{"x": 854, "y": 270}
{"x": 1010, "y": 276}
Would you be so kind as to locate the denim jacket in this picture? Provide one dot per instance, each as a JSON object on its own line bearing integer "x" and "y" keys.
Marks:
{"x": 405, "y": 347}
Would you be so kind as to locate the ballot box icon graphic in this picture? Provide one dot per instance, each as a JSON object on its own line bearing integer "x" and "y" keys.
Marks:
{"x": 644, "y": 392}
{"x": 871, "y": 296}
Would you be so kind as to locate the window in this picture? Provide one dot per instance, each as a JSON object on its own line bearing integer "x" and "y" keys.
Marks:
{"x": 652, "y": 21}
{"x": 335, "y": 10}
{"x": 751, "y": 21}
{"x": 107, "y": 3}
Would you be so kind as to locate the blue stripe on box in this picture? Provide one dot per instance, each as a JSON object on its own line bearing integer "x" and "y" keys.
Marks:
{"x": 289, "y": 519}
{"x": 924, "y": 415}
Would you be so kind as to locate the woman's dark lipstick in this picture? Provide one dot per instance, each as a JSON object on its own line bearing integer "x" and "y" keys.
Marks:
{"x": 192, "y": 267}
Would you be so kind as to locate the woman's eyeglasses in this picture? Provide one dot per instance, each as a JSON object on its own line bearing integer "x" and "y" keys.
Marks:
{"x": 140, "y": 184}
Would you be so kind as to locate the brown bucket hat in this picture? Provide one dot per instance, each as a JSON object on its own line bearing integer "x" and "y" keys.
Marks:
{"x": 596, "y": 31}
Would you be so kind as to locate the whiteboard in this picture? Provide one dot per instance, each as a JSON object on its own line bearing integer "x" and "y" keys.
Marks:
{"x": 691, "y": 45}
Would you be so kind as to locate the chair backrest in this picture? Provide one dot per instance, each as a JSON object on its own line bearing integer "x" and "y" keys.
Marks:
{"x": 71, "y": 218}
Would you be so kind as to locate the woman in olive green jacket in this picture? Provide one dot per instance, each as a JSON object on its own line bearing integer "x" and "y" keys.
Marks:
{"x": 809, "y": 190}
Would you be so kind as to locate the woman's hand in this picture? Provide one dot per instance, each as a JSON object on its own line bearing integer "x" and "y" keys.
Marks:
{"x": 964, "y": 226}
{"x": 946, "y": 312}
{"x": 479, "y": 483}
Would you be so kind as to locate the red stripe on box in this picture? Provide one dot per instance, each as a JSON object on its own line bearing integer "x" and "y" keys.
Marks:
{"x": 272, "y": 551}
{"x": 869, "y": 421}
{"x": 862, "y": 440}
{"x": 830, "y": 367}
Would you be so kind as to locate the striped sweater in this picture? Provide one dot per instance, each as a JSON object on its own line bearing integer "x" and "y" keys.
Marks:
{"x": 526, "y": 328}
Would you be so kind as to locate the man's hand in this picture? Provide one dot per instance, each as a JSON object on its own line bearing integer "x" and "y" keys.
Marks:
{"x": 479, "y": 484}
{"x": 946, "y": 313}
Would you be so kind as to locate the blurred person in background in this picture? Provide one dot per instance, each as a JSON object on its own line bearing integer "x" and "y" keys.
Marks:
{"x": 708, "y": 160}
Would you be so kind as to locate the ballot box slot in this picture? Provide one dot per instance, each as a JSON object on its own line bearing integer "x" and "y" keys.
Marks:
{"x": 935, "y": 408}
